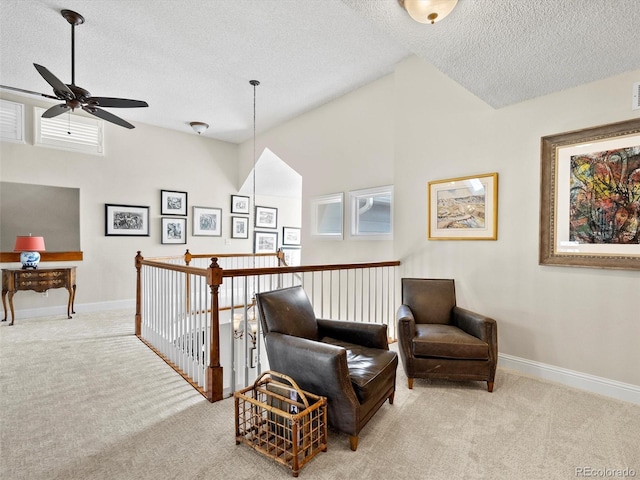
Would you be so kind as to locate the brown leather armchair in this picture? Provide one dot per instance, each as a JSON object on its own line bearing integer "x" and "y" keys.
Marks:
{"x": 437, "y": 339}
{"x": 348, "y": 362}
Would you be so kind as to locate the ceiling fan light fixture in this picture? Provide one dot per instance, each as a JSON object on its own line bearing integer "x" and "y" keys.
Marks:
{"x": 74, "y": 96}
{"x": 199, "y": 127}
{"x": 428, "y": 11}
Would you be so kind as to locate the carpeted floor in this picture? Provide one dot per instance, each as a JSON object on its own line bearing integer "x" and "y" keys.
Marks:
{"x": 85, "y": 399}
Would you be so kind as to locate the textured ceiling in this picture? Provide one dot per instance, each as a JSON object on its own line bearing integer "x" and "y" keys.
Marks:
{"x": 192, "y": 60}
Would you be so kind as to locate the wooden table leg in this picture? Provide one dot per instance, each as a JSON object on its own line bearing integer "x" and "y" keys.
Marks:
{"x": 73, "y": 299}
{"x": 4, "y": 304}
{"x": 72, "y": 294}
{"x": 13, "y": 315}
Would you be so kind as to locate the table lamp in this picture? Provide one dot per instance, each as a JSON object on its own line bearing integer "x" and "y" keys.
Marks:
{"x": 29, "y": 248}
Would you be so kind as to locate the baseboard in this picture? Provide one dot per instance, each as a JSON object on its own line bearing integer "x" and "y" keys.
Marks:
{"x": 571, "y": 378}
{"x": 83, "y": 307}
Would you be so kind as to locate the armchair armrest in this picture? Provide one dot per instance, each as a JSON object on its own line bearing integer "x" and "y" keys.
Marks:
{"x": 406, "y": 322}
{"x": 317, "y": 367}
{"x": 480, "y": 326}
{"x": 370, "y": 335}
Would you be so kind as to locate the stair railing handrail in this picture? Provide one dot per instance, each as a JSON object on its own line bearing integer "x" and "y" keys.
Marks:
{"x": 214, "y": 277}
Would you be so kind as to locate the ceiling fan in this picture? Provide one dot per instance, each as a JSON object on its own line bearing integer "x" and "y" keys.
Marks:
{"x": 72, "y": 95}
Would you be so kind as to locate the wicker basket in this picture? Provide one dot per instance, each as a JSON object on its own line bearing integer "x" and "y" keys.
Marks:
{"x": 281, "y": 421}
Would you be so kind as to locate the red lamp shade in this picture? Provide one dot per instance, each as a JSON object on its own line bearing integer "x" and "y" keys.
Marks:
{"x": 29, "y": 244}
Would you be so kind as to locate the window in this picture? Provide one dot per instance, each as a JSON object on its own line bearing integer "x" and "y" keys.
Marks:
{"x": 69, "y": 132}
{"x": 11, "y": 121}
{"x": 326, "y": 215}
{"x": 372, "y": 212}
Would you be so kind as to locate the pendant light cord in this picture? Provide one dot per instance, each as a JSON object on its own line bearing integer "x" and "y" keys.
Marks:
{"x": 255, "y": 83}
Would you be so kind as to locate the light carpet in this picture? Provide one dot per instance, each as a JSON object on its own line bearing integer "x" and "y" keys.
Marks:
{"x": 85, "y": 399}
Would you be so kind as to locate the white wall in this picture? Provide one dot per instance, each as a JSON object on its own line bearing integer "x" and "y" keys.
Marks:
{"x": 138, "y": 164}
{"x": 417, "y": 125}
{"x": 341, "y": 146}
{"x": 579, "y": 319}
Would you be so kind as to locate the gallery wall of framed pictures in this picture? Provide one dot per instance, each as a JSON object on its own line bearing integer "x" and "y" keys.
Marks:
{"x": 206, "y": 221}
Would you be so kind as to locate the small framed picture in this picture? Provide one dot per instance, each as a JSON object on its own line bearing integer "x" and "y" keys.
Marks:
{"x": 174, "y": 230}
{"x": 239, "y": 227}
{"x": 290, "y": 236}
{"x": 266, "y": 217}
{"x": 265, "y": 242}
{"x": 292, "y": 256}
{"x": 464, "y": 208}
{"x": 207, "y": 221}
{"x": 173, "y": 203}
{"x": 126, "y": 220}
{"x": 240, "y": 204}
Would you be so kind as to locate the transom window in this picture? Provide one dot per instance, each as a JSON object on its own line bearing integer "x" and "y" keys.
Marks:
{"x": 372, "y": 212}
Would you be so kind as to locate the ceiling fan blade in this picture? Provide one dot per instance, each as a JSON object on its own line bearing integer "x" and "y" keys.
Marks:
{"x": 109, "y": 117}
{"x": 55, "y": 111}
{"x": 116, "y": 102}
{"x": 29, "y": 91}
{"x": 58, "y": 86}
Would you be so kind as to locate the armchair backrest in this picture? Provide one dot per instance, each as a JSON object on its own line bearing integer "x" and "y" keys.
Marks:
{"x": 287, "y": 311}
{"x": 430, "y": 300}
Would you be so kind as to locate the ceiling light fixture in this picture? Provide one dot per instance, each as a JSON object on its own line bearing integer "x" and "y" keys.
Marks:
{"x": 428, "y": 11}
{"x": 199, "y": 127}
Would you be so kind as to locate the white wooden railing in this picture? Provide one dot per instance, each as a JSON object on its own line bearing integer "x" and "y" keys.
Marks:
{"x": 200, "y": 316}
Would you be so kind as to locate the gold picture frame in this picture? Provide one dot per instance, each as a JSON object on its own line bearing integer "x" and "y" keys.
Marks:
{"x": 590, "y": 197}
{"x": 463, "y": 208}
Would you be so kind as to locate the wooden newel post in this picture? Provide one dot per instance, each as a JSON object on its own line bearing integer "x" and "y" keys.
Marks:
{"x": 214, "y": 370}
{"x": 139, "y": 259}
{"x": 187, "y": 257}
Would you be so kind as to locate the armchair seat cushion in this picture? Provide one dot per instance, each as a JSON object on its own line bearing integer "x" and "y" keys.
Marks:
{"x": 371, "y": 370}
{"x": 447, "y": 341}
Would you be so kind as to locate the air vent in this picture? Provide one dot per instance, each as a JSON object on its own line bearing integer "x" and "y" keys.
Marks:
{"x": 11, "y": 121}
{"x": 636, "y": 96}
{"x": 69, "y": 132}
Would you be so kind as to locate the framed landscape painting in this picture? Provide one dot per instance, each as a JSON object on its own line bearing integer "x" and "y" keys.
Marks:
{"x": 590, "y": 197}
{"x": 126, "y": 220}
{"x": 464, "y": 208}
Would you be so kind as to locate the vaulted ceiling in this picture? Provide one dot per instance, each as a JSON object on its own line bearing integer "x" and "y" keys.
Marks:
{"x": 192, "y": 60}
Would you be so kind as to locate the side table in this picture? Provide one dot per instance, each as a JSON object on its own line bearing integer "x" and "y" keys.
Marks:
{"x": 39, "y": 280}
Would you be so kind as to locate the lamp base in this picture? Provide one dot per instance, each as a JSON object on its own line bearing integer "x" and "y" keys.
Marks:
{"x": 29, "y": 259}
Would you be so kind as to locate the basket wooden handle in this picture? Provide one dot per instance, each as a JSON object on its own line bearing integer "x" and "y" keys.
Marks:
{"x": 261, "y": 379}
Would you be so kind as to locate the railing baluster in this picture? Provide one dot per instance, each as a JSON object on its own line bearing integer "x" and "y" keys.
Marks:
{"x": 178, "y": 308}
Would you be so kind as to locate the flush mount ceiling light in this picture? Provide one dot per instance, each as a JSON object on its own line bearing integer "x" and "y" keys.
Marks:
{"x": 428, "y": 11}
{"x": 199, "y": 127}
